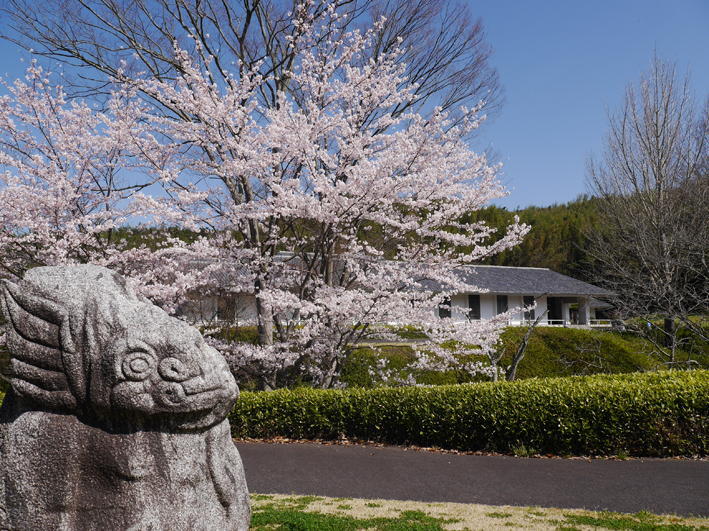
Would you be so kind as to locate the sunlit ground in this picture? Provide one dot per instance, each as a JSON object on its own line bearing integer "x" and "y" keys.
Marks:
{"x": 319, "y": 513}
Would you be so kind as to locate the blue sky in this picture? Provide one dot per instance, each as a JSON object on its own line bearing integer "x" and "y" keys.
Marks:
{"x": 563, "y": 63}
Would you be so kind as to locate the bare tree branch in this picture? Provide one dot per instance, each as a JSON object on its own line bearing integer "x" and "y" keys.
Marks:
{"x": 651, "y": 248}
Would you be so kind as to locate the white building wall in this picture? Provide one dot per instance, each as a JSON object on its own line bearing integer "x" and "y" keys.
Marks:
{"x": 487, "y": 306}
{"x": 515, "y": 301}
{"x": 518, "y": 301}
{"x": 459, "y": 303}
{"x": 211, "y": 310}
{"x": 246, "y": 308}
{"x": 206, "y": 310}
{"x": 565, "y": 312}
{"x": 541, "y": 308}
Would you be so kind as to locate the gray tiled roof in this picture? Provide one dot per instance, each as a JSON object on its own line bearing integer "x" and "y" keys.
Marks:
{"x": 527, "y": 281}
{"x": 493, "y": 279}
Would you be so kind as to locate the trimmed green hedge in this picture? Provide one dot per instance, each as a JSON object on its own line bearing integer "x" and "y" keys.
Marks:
{"x": 642, "y": 414}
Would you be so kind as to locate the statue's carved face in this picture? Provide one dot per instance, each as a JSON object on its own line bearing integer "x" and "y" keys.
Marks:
{"x": 80, "y": 339}
{"x": 170, "y": 370}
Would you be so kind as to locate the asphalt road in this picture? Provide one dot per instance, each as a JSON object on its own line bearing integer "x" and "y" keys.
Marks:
{"x": 673, "y": 486}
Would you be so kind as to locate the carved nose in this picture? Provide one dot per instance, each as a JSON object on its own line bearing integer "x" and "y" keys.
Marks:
{"x": 200, "y": 385}
{"x": 173, "y": 370}
{"x": 213, "y": 376}
{"x": 171, "y": 393}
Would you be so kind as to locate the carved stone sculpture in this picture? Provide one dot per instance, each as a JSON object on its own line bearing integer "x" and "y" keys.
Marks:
{"x": 116, "y": 418}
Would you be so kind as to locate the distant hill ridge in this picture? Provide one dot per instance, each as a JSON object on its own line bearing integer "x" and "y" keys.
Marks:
{"x": 558, "y": 239}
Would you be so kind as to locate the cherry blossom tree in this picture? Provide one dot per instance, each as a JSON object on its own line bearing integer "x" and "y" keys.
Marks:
{"x": 446, "y": 53}
{"x": 336, "y": 210}
{"x": 336, "y": 203}
{"x": 69, "y": 180}
{"x": 60, "y": 180}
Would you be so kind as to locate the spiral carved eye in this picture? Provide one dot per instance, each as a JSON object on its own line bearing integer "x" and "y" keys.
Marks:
{"x": 173, "y": 370}
{"x": 138, "y": 365}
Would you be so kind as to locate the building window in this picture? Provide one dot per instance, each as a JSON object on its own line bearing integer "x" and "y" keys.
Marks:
{"x": 502, "y": 305}
{"x": 528, "y": 300}
{"x": 444, "y": 309}
{"x": 473, "y": 307}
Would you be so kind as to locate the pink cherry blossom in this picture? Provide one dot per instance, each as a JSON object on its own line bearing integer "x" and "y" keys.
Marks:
{"x": 338, "y": 207}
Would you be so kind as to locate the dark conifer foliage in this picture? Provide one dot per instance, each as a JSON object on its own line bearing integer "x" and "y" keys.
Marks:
{"x": 558, "y": 239}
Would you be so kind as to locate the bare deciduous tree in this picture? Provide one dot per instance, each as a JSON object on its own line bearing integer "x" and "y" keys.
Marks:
{"x": 651, "y": 248}
{"x": 447, "y": 56}
{"x": 511, "y": 372}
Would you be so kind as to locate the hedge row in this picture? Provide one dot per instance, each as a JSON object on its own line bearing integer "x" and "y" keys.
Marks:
{"x": 643, "y": 414}
{"x": 649, "y": 414}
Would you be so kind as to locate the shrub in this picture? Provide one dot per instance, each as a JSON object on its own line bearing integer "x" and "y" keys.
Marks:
{"x": 358, "y": 367}
{"x": 648, "y": 414}
{"x": 551, "y": 352}
{"x": 577, "y": 352}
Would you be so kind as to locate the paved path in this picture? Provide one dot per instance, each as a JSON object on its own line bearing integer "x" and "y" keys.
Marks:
{"x": 656, "y": 485}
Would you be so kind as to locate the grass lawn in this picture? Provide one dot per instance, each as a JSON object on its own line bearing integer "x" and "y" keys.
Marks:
{"x": 316, "y": 513}
{"x": 552, "y": 351}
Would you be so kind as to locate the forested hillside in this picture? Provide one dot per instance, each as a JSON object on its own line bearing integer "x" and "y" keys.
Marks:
{"x": 557, "y": 239}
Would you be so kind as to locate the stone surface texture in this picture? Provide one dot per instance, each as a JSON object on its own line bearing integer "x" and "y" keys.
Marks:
{"x": 116, "y": 417}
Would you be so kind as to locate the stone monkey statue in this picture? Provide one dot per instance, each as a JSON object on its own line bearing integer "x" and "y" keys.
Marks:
{"x": 116, "y": 417}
